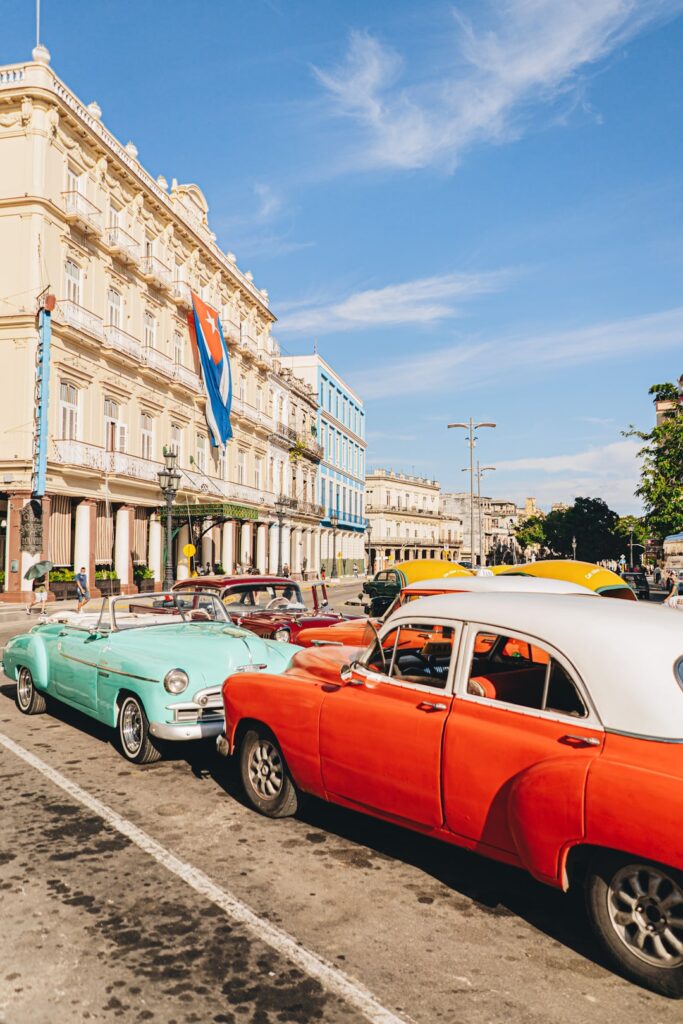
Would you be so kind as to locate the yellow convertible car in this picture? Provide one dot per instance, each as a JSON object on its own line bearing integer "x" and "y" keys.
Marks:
{"x": 586, "y": 574}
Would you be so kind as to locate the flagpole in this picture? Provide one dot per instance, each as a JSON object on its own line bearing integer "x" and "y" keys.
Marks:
{"x": 37, "y": 22}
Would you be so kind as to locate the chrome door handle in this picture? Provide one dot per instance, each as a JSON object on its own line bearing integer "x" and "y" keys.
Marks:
{"x": 588, "y": 741}
{"x": 426, "y": 705}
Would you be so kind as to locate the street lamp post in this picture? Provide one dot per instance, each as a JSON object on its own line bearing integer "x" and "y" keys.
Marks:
{"x": 480, "y": 471}
{"x": 334, "y": 522}
{"x": 574, "y": 548}
{"x": 169, "y": 482}
{"x": 280, "y": 512}
{"x": 368, "y": 530}
{"x": 470, "y": 427}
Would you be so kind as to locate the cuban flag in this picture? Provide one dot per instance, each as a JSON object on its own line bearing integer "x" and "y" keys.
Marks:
{"x": 207, "y": 337}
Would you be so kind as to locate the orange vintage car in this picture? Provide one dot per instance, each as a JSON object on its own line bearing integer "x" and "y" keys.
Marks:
{"x": 531, "y": 731}
{"x": 357, "y": 632}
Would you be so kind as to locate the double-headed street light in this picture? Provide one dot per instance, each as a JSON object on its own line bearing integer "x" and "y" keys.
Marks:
{"x": 470, "y": 427}
{"x": 334, "y": 523}
{"x": 480, "y": 470}
{"x": 281, "y": 507}
{"x": 169, "y": 482}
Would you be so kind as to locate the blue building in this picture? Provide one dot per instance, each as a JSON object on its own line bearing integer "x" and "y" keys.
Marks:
{"x": 341, "y": 475}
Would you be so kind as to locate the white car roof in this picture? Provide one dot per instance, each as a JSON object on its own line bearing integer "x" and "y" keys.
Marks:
{"x": 502, "y": 584}
{"x": 625, "y": 652}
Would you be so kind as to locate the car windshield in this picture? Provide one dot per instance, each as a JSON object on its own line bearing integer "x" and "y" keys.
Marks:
{"x": 139, "y": 610}
{"x": 251, "y": 597}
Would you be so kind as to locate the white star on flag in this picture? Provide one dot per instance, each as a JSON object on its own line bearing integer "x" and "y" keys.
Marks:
{"x": 212, "y": 323}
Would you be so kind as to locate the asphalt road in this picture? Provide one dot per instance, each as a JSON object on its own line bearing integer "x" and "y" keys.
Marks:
{"x": 129, "y": 899}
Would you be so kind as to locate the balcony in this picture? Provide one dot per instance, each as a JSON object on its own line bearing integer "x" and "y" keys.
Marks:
{"x": 283, "y": 435}
{"x": 99, "y": 460}
{"x": 158, "y": 362}
{"x": 230, "y": 324}
{"x": 122, "y": 246}
{"x": 311, "y": 447}
{"x": 181, "y": 293}
{"x": 155, "y": 272}
{"x": 186, "y": 378}
{"x": 83, "y": 214}
{"x": 253, "y": 415}
{"x": 70, "y": 314}
{"x": 118, "y": 341}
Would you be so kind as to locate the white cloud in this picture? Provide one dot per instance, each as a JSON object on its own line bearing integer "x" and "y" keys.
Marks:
{"x": 423, "y": 301}
{"x": 470, "y": 363}
{"x": 270, "y": 203}
{"x": 610, "y": 472}
{"x": 518, "y": 54}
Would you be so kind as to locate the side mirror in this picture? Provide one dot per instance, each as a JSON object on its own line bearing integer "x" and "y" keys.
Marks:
{"x": 352, "y": 674}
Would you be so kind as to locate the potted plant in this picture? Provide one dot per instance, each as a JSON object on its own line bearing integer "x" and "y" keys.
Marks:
{"x": 107, "y": 581}
{"x": 62, "y": 584}
{"x": 144, "y": 578}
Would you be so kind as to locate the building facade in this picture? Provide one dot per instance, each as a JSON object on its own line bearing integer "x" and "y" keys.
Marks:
{"x": 121, "y": 251}
{"x": 340, "y": 432}
{"x": 408, "y": 520}
{"x": 495, "y": 520}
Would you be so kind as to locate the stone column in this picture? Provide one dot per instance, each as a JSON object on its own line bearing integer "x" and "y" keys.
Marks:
{"x": 286, "y": 553}
{"x": 154, "y": 557}
{"x": 262, "y": 547}
{"x": 14, "y": 589}
{"x": 82, "y": 540}
{"x": 122, "y": 549}
{"x": 182, "y": 563}
{"x": 207, "y": 549}
{"x": 246, "y": 545}
{"x": 228, "y": 547}
{"x": 295, "y": 563}
{"x": 272, "y": 548}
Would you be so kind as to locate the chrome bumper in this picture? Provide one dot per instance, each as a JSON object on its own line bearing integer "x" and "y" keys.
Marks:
{"x": 186, "y": 730}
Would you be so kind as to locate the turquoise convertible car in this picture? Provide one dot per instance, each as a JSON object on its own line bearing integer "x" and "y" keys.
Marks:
{"x": 150, "y": 666}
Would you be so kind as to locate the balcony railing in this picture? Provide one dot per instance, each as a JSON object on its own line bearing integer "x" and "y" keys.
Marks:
{"x": 119, "y": 341}
{"x": 122, "y": 245}
{"x": 230, "y": 324}
{"x": 181, "y": 294}
{"x": 81, "y": 212}
{"x": 156, "y": 272}
{"x": 78, "y": 317}
{"x": 187, "y": 377}
{"x": 158, "y": 362}
{"x": 249, "y": 412}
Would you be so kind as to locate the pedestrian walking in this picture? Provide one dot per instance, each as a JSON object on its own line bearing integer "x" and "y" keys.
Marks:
{"x": 81, "y": 579}
{"x": 39, "y": 595}
{"x": 355, "y": 570}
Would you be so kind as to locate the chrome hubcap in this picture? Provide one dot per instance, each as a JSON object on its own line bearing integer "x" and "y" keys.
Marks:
{"x": 646, "y": 909}
{"x": 24, "y": 688}
{"x": 131, "y": 727}
{"x": 266, "y": 770}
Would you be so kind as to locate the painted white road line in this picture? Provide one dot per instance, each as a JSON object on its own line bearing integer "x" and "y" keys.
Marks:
{"x": 329, "y": 976}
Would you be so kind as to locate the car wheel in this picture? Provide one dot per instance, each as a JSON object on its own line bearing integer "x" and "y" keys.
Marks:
{"x": 29, "y": 700}
{"x": 136, "y": 744}
{"x": 636, "y": 910}
{"x": 265, "y": 777}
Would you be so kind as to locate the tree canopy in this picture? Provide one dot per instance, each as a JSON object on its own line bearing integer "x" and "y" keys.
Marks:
{"x": 597, "y": 529}
{"x": 661, "y": 474}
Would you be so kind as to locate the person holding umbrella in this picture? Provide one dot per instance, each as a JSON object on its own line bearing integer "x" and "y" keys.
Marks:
{"x": 39, "y": 574}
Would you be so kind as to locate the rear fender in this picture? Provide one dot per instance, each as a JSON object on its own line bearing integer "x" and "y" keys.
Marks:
{"x": 28, "y": 650}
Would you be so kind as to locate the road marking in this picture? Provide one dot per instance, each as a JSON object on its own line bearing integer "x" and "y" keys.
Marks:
{"x": 329, "y": 976}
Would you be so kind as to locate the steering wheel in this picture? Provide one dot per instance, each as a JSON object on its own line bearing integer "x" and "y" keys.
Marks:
{"x": 421, "y": 658}
{"x": 278, "y": 602}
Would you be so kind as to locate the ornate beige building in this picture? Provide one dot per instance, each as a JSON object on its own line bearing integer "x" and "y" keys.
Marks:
{"x": 406, "y": 519}
{"x": 82, "y": 219}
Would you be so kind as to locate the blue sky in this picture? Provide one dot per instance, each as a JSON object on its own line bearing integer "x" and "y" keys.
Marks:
{"x": 474, "y": 208}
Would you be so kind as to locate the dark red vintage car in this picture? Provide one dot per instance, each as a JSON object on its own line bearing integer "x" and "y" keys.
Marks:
{"x": 271, "y": 606}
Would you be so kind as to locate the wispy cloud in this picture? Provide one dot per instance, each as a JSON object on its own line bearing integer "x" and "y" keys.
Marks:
{"x": 423, "y": 301}
{"x": 610, "y": 472}
{"x": 470, "y": 363}
{"x": 517, "y": 55}
{"x": 270, "y": 203}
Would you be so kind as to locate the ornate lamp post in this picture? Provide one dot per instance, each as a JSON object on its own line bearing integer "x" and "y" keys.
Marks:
{"x": 334, "y": 522}
{"x": 169, "y": 482}
{"x": 280, "y": 512}
{"x": 472, "y": 440}
{"x": 368, "y": 530}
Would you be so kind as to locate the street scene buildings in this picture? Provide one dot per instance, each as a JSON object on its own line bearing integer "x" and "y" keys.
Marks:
{"x": 408, "y": 519}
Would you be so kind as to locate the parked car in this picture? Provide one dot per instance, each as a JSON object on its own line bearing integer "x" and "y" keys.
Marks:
{"x": 380, "y": 592}
{"x": 150, "y": 666}
{"x": 594, "y": 577}
{"x": 271, "y": 606}
{"x": 638, "y": 583}
{"x": 357, "y": 632}
{"x": 533, "y": 731}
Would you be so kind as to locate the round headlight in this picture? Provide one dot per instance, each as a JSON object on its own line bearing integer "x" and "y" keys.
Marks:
{"x": 281, "y": 634}
{"x": 176, "y": 680}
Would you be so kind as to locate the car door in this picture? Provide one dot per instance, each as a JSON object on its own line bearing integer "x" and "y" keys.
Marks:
{"x": 75, "y": 659}
{"x": 381, "y": 733}
{"x": 519, "y": 704}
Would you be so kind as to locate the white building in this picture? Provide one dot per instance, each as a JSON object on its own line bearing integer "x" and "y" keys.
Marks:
{"x": 408, "y": 520}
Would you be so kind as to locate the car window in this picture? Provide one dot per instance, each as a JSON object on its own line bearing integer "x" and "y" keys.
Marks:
{"x": 415, "y": 653}
{"x": 515, "y": 671}
{"x": 260, "y": 596}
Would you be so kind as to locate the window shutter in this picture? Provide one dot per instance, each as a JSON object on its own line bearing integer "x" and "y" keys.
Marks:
{"x": 123, "y": 437}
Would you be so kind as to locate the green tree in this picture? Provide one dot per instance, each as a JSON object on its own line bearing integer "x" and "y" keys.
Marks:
{"x": 591, "y": 523}
{"x": 661, "y": 474}
{"x": 530, "y": 532}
